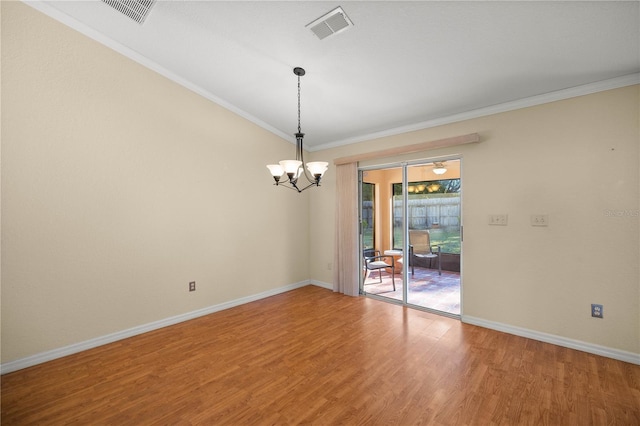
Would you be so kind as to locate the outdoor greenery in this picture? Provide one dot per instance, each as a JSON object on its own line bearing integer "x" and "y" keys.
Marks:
{"x": 447, "y": 235}
{"x": 367, "y": 238}
{"x": 368, "y": 196}
{"x": 447, "y": 239}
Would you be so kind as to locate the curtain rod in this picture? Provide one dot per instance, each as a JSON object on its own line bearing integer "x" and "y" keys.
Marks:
{"x": 410, "y": 149}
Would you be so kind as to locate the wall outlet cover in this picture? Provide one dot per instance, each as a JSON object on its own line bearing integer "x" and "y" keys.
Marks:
{"x": 597, "y": 311}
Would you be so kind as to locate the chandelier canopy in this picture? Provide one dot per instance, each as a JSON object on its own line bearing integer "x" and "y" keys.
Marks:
{"x": 294, "y": 169}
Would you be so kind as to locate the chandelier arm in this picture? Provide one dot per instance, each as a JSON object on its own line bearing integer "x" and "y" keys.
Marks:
{"x": 310, "y": 185}
{"x": 291, "y": 186}
{"x": 300, "y": 157}
{"x": 306, "y": 172}
{"x": 311, "y": 180}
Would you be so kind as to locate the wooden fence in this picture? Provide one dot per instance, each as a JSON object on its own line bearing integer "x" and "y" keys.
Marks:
{"x": 423, "y": 213}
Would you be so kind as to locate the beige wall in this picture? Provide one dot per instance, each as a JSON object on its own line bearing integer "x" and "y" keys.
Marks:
{"x": 118, "y": 188}
{"x": 577, "y": 161}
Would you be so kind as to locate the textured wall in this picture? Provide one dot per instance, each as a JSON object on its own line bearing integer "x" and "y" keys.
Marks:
{"x": 119, "y": 187}
{"x": 575, "y": 160}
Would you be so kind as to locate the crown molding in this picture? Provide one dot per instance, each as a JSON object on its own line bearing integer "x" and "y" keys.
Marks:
{"x": 410, "y": 149}
{"x": 558, "y": 95}
{"x": 93, "y": 34}
{"x": 586, "y": 89}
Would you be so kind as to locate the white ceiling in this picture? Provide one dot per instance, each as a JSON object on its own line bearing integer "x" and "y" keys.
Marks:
{"x": 402, "y": 66}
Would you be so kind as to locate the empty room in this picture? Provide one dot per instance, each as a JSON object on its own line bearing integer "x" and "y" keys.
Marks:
{"x": 325, "y": 213}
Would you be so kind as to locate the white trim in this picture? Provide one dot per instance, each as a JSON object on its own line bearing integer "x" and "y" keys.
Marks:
{"x": 591, "y": 348}
{"x": 32, "y": 360}
{"x": 585, "y": 89}
{"x": 124, "y": 334}
{"x": 558, "y": 95}
{"x": 322, "y": 284}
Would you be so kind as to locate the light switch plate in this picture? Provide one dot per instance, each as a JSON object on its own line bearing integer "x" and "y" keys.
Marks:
{"x": 539, "y": 220}
{"x": 498, "y": 219}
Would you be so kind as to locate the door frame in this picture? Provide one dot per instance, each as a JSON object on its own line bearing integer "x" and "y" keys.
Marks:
{"x": 404, "y": 165}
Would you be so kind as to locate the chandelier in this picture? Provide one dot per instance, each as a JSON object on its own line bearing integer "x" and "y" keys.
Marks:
{"x": 291, "y": 170}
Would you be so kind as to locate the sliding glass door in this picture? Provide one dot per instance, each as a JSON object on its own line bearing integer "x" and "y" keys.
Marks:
{"x": 416, "y": 211}
{"x": 381, "y": 263}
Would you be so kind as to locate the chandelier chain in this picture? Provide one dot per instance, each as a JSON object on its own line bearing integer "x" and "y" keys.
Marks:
{"x": 299, "y": 128}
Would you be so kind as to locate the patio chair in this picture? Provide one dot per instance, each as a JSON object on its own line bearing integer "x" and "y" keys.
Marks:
{"x": 374, "y": 261}
{"x": 420, "y": 247}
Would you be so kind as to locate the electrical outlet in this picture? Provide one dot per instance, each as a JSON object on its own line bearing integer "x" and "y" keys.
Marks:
{"x": 329, "y": 266}
{"x": 539, "y": 220}
{"x": 596, "y": 311}
{"x": 192, "y": 286}
{"x": 498, "y": 219}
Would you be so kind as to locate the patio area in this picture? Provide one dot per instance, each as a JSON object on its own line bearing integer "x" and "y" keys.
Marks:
{"x": 426, "y": 288}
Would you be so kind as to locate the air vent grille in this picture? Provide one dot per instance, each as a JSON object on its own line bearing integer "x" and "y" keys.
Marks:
{"x": 332, "y": 23}
{"x": 134, "y": 9}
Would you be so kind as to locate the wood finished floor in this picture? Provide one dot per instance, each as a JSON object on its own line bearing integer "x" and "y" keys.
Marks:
{"x": 311, "y": 356}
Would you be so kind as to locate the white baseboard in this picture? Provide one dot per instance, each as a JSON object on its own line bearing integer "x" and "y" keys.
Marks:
{"x": 32, "y": 360}
{"x": 322, "y": 284}
{"x": 113, "y": 337}
{"x": 618, "y": 354}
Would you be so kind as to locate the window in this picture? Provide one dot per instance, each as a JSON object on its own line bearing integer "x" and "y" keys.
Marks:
{"x": 432, "y": 205}
{"x": 368, "y": 215}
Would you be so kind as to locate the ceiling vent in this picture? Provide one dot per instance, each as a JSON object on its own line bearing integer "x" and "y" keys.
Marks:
{"x": 332, "y": 23}
{"x": 134, "y": 9}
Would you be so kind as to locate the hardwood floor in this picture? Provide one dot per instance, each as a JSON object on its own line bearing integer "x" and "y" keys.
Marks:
{"x": 311, "y": 356}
